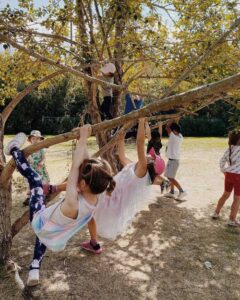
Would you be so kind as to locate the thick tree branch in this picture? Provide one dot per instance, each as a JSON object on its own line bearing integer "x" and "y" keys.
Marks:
{"x": 210, "y": 91}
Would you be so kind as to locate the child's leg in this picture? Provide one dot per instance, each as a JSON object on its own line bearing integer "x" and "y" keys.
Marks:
{"x": 222, "y": 201}
{"x": 234, "y": 208}
{"x": 228, "y": 187}
{"x": 93, "y": 245}
{"x": 36, "y": 198}
{"x": 92, "y": 227}
{"x": 175, "y": 183}
{"x": 236, "y": 200}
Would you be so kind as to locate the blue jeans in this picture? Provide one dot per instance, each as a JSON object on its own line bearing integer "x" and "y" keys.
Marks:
{"x": 37, "y": 197}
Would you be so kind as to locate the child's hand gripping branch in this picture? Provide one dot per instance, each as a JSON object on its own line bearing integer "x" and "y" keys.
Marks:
{"x": 70, "y": 205}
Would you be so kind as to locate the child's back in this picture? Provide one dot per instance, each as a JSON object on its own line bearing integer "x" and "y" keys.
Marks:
{"x": 231, "y": 157}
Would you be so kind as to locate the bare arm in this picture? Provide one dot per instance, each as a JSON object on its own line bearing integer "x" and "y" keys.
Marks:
{"x": 148, "y": 131}
{"x": 42, "y": 162}
{"x": 160, "y": 129}
{"x": 168, "y": 129}
{"x": 70, "y": 204}
{"x": 121, "y": 150}
{"x": 141, "y": 167}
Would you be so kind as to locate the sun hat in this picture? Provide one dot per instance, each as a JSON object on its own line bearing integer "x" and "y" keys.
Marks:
{"x": 108, "y": 68}
{"x": 159, "y": 164}
{"x": 35, "y": 133}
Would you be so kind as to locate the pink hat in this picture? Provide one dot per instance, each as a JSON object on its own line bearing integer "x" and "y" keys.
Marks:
{"x": 159, "y": 164}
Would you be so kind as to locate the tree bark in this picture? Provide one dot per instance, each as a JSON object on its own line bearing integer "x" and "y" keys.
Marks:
{"x": 5, "y": 207}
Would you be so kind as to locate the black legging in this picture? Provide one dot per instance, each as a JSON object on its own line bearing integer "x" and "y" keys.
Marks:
{"x": 106, "y": 107}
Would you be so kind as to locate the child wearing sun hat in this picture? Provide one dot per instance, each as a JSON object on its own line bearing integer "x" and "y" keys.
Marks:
{"x": 37, "y": 159}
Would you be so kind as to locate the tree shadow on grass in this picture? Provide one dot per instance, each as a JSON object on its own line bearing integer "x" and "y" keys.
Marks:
{"x": 160, "y": 257}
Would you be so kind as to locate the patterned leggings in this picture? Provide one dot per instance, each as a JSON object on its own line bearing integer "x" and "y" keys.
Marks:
{"x": 36, "y": 202}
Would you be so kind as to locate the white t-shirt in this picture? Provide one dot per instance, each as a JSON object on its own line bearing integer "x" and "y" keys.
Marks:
{"x": 173, "y": 146}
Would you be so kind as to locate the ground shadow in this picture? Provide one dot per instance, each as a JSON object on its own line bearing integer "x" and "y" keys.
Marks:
{"x": 161, "y": 257}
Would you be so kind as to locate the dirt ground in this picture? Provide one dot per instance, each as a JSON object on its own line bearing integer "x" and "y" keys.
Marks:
{"x": 160, "y": 257}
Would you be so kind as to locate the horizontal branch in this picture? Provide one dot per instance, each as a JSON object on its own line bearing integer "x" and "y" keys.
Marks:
{"x": 209, "y": 91}
{"x": 57, "y": 64}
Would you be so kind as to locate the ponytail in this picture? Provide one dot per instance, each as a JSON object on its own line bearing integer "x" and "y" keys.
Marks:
{"x": 97, "y": 174}
{"x": 234, "y": 137}
{"x": 230, "y": 153}
{"x": 111, "y": 186}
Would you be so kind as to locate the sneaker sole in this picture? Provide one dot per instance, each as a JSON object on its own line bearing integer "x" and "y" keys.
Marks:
{"x": 234, "y": 226}
{"x": 33, "y": 282}
{"x": 91, "y": 250}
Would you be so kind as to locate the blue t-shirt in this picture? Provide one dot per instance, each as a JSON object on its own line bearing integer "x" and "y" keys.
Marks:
{"x": 129, "y": 106}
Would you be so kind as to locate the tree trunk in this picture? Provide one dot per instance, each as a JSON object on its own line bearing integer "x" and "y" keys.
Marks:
{"x": 5, "y": 207}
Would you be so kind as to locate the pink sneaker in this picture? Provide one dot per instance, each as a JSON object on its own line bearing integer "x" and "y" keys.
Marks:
{"x": 89, "y": 247}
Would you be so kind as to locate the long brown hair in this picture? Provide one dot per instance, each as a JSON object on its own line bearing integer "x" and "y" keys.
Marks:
{"x": 233, "y": 138}
{"x": 98, "y": 175}
{"x": 151, "y": 169}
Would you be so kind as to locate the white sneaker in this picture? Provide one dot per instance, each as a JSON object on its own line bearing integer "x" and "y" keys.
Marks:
{"x": 33, "y": 275}
{"x": 215, "y": 216}
{"x": 233, "y": 223}
{"x": 17, "y": 141}
{"x": 181, "y": 195}
{"x": 169, "y": 195}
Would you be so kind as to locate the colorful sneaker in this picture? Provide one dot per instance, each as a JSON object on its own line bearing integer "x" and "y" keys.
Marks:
{"x": 17, "y": 141}
{"x": 215, "y": 216}
{"x": 234, "y": 223}
{"x": 96, "y": 249}
{"x": 181, "y": 196}
{"x": 33, "y": 275}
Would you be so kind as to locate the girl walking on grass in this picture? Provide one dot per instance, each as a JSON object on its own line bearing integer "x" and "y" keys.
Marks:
{"x": 230, "y": 166}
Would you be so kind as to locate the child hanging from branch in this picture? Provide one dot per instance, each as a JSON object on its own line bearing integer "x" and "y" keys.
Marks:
{"x": 55, "y": 225}
{"x": 155, "y": 143}
{"x": 114, "y": 213}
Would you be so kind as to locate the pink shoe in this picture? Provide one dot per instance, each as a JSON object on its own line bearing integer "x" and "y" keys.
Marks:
{"x": 94, "y": 249}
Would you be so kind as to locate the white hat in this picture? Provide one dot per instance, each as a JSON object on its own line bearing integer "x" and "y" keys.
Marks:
{"x": 35, "y": 133}
{"x": 108, "y": 68}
